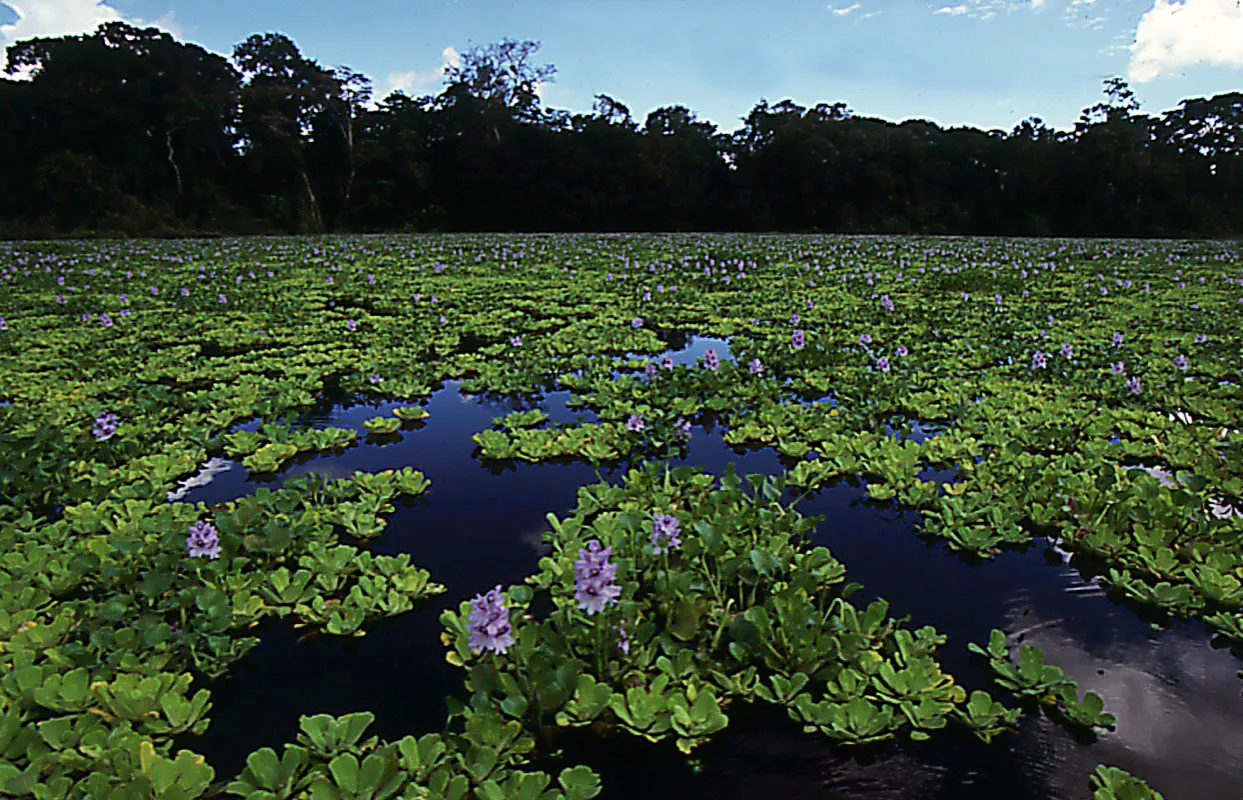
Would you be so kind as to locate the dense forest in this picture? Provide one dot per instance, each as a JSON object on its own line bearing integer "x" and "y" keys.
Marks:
{"x": 128, "y": 131}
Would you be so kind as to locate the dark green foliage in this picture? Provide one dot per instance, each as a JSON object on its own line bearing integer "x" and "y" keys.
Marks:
{"x": 127, "y": 131}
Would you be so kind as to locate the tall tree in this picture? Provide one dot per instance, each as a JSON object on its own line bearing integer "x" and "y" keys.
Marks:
{"x": 283, "y": 94}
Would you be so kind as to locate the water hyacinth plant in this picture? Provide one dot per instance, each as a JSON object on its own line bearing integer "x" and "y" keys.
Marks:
{"x": 742, "y": 609}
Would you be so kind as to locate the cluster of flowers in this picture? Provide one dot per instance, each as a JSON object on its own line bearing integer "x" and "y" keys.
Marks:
{"x": 665, "y": 530}
{"x": 203, "y": 541}
{"x": 488, "y": 624}
{"x": 593, "y": 578}
{"x": 105, "y": 426}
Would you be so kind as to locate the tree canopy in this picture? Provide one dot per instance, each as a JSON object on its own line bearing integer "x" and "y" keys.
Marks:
{"x": 127, "y": 130}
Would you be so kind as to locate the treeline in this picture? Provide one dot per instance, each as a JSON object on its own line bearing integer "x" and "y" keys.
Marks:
{"x": 129, "y": 131}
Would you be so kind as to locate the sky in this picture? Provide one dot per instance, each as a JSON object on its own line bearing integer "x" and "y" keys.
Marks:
{"x": 984, "y": 63}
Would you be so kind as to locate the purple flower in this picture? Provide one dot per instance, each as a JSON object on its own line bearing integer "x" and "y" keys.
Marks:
{"x": 488, "y": 623}
{"x": 682, "y": 429}
{"x": 593, "y": 578}
{"x": 515, "y": 341}
{"x": 1180, "y": 361}
{"x": 105, "y": 426}
{"x": 351, "y": 325}
{"x": 4, "y": 326}
{"x": 86, "y": 317}
{"x": 185, "y": 292}
{"x": 374, "y": 379}
{"x": 902, "y": 352}
{"x": 221, "y": 298}
{"x": 756, "y": 367}
{"x": 865, "y": 339}
{"x": 809, "y": 303}
{"x": 1201, "y": 338}
{"x": 1132, "y": 385}
{"x": 1039, "y": 360}
{"x": 711, "y": 360}
{"x": 651, "y": 369}
{"x": 1117, "y": 340}
{"x": 124, "y": 299}
{"x": 105, "y": 320}
{"x": 1118, "y": 369}
{"x": 1068, "y": 350}
{"x": 666, "y": 361}
{"x": 635, "y": 423}
{"x": 203, "y": 541}
{"x": 636, "y": 323}
{"x": 798, "y": 340}
{"x": 882, "y": 364}
{"x": 886, "y": 303}
{"x": 623, "y": 640}
{"x": 794, "y": 318}
{"x": 665, "y": 532}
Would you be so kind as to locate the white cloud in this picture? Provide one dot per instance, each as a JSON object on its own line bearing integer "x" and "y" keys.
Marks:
{"x": 37, "y": 18}
{"x": 987, "y": 9}
{"x": 846, "y": 11}
{"x": 1174, "y": 35}
{"x": 414, "y": 82}
{"x": 47, "y": 18}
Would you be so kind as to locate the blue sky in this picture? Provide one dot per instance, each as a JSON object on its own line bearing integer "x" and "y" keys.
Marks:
{"x": 986, "y": 63}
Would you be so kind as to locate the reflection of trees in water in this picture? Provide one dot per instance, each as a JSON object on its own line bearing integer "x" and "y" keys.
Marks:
{"x": 675, "y": 340}
{"x": 1176, "y": 700}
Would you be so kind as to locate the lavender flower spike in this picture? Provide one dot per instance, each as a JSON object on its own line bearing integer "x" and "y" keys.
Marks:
{"x": 203, "y": 541}
{"x": 665, "y": 530}
{"x": 488, "y": 623}
{"x": 635, "y": 423}
{"x": 756, "y": 367}
{"x": 593, "y": 578}
{"x": 105, "y": 426}
{"x": 798, "y": 340}
{"x": 711, "y": 360}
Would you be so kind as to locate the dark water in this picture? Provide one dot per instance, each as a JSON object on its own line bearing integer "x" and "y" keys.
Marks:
{"x": 1179, "y": 709}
